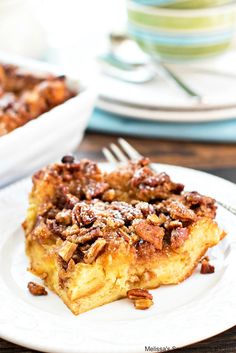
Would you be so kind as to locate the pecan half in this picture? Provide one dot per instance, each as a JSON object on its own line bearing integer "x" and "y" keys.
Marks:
{"x": 180, "y": 212}
{"x": 139, "y": 293}
{"x": 83, "y": 214}
{"x": 207, "y": 267}
{"x": 94, "y": 250}
{"x": 151, "y": 233}
{"x": 36, "y": 289}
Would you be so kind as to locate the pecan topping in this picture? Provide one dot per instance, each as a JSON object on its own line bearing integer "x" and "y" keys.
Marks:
{"x": 207, "y": 267}
{"x": 67, "y": 250}
{"x": 139, "y": 293}
{"x": 151, "y": 233}
{"x": 133, "y": 205}
{"x": 36, "y": 289}
{"x": 94, "y": 250}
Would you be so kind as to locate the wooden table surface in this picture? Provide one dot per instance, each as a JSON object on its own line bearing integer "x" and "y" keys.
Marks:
{"x": 218, "y": 159}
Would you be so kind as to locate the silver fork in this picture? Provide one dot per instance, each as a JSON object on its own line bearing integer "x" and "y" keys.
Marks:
{"x": 125, "y": 152}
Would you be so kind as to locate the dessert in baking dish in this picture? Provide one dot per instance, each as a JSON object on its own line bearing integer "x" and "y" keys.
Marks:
{"x": 24, "y": 96}
{"x": 92, "y": 235}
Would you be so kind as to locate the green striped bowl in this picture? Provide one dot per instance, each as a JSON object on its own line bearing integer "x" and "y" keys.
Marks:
{"x": 182, "y": 34}
{"x": 183, "y": 4}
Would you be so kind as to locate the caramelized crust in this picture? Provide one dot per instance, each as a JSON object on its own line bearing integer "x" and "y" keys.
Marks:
{"x": 93, "y": 236}
{"x": 24, "y": 96}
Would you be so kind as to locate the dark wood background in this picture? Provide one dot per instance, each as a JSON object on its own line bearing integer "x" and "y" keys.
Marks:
{"x": 218, "y": 159}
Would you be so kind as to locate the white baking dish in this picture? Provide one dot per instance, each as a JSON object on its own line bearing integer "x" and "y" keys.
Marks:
{"x": 48, "y": 137}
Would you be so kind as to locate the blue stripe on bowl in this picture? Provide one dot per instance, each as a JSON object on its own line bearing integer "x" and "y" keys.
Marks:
{"x": 177, "y": 39}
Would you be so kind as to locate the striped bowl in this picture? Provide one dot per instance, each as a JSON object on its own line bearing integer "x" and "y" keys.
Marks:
{"x": 183, "y": 4}
{"x": 182, "y": 34}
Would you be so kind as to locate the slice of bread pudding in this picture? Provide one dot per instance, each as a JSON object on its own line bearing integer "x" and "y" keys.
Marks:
{"x": 92, "y": 236}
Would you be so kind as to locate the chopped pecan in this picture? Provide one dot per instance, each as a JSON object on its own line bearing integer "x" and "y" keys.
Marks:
{"x": 89, "y": 167}
{"x": 41, "y": 231}
{"x": 178, "y": 237}
{"x": 140, "y": 177}
{"x": 94, "y": 189}
{"x": 124, "y": 234}
{"x": 170, "y": 225}
{"x": 64, "y": 217}
{"x": 83, "y": 214}
{"x": 88, "y": 236}
{"x": 70, "y": 200}
{"x": 67, "y": 250}
{"x": 54, "y": 227}
{"x": 193, "y": 198}
{"x": 207, "y": 267}
{"x": 95, "y": 249}
{"x": 145, "y": 208}
{"x": 180, "y": 212}
{"x": 127, "y": 212}
{"x": 154, "y": 219}
{"x": 139, "y": 293}
{"x": 71, "y": 265}
{"x": 151, "y": 233}
{"x": 158, "y": 220}
{"x": 202, "y": 205}
{"x": 36, "y": 289}
{"x": 143, "y": 304}
{"x": 71, "y": 231}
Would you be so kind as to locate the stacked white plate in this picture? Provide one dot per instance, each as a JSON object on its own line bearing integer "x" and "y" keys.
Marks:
{"x": 162, "y": 100}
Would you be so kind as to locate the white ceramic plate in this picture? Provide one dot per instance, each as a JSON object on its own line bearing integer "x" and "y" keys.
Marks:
{"x": 136, "y": 111}
{"x": 199, "y": 308}
{"x": 162, "y": 100}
